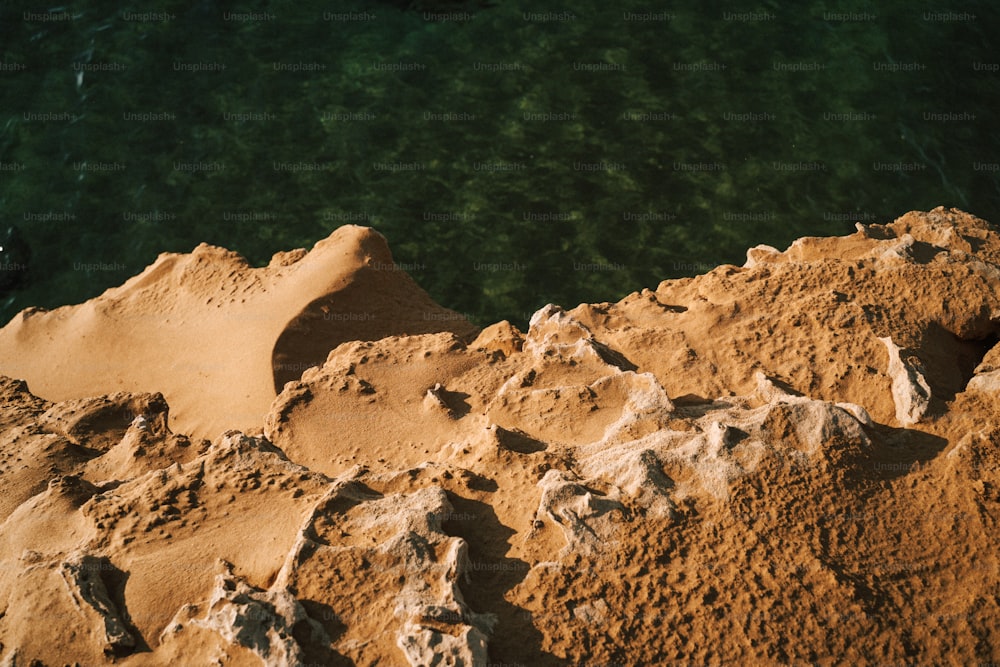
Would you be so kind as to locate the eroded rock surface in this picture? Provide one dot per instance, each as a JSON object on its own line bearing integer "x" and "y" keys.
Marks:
{"x": 793, "y": 461}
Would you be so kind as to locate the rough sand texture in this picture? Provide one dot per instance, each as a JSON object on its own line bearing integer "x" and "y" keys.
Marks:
{"x": 793, "y": 461}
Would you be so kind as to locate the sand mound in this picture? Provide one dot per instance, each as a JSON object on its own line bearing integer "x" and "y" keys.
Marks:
{"x": 207, "y": 329}
{"x": 793, "y": 461}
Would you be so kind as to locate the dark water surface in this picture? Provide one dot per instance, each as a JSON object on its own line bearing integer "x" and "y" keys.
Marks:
{"x": 513, "y": 155}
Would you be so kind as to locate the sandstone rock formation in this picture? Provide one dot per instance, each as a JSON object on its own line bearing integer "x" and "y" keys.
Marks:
{"x": 193, "y": 327}
{"x": 793, "y": 461}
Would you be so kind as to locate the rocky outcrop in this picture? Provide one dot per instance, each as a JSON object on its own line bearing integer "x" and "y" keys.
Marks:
{"x": 987, "y": 373}
{"x": 910, "y": 391}
{"x": 415, "y": 567}
{"x": 84, "y": 576}
{"x": 268, "y": 623}
{"x": 776, "y": 463}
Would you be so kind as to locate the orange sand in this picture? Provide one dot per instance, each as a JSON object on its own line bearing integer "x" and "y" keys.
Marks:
{"x": 793, "y": 461}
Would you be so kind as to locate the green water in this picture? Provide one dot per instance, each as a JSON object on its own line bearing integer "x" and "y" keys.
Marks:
{"x": 519, "y": 155}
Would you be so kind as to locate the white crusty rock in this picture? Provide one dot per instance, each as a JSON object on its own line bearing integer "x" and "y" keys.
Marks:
{"x": 711, "y": 456}
{"x": 414, "y": 566}
{"x": 910, "y": 391}
{"x": 987, "y": 373}
{"x": 446, "y": 632}
{"x": 645, "y": 404}
{"x": 263, "y": 621}
{"x": 84, "y": 578}
{"x": 584, "y": 517}
{"x": 761, "y": 254}
{"x": 554, "y": 332}
{"x": 594, "y": 613}
{"x": 634, "y": 473}
{"x": 427, "y": 646}
{"x": 986, "y": 382}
